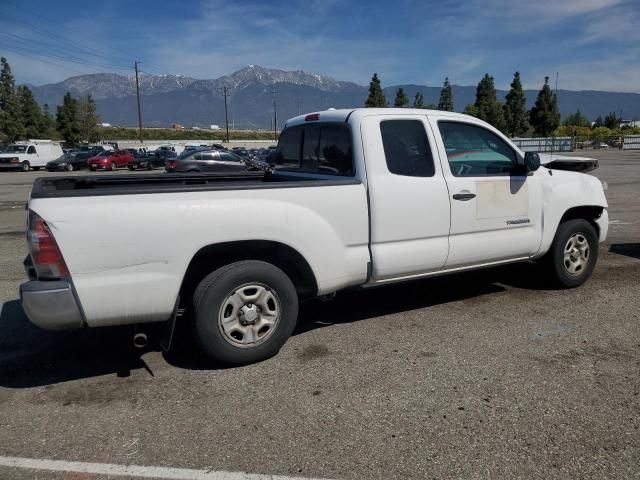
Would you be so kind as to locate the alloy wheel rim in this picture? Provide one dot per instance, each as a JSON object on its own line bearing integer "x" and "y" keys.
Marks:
{"x": 576, "y": 254}
{"x": 249, "y": 315}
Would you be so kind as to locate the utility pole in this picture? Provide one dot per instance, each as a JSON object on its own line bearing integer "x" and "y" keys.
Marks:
{"x": 135, "y": 65}
{"x": 226, "y": 112}
{"x": 275, "y": 117}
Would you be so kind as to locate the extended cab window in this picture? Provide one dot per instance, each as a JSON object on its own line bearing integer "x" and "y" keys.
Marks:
{"x": 317, "y": 148}
{"x": 474, "y": 151}
{"x": 406, "y": 148}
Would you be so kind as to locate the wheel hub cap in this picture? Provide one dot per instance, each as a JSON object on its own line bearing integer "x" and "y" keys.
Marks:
{"x": 576, "y": 254}
{"x": 249, "y": 315}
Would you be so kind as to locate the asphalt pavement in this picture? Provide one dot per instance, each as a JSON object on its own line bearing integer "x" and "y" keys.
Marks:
{"x": 488, "y": 374}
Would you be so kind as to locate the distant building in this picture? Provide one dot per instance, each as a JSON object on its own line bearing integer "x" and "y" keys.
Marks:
{"x": 630, "y": 123}
{"x": 214, "y": 127}
{"x": 104, "y": 124}
{"x": 177, "y": 126}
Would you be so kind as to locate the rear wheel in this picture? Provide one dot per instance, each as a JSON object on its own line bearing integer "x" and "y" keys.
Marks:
{"x": 114, "y": 167}
{"x": 25, "y": 166}
{"x": 245, "y": 312}
{"x": 69, "y": 167}
{"x": 573, "y": 253}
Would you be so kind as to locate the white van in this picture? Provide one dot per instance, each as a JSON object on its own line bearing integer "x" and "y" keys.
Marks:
{"x": 30, "y": 154}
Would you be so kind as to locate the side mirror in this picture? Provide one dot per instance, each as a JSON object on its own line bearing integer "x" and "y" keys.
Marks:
{"x": 531, "y": 161}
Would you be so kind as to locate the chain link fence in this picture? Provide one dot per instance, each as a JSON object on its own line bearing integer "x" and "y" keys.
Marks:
{"x": 571, "y": 144}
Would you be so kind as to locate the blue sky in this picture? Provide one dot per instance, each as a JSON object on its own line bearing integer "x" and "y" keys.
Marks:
{"x": 593, "y": 44}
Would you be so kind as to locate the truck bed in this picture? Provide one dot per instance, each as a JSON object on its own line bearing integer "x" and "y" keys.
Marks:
{"x": 100, "y": 185}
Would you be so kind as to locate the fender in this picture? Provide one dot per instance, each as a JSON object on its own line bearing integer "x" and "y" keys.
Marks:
{"x": 562, "y": 191}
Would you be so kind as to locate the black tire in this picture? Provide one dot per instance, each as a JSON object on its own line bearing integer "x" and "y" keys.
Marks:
{"x": 69, "y": 167}
{"x": 555, "y": 258}
{"x": 114, "y": 167}
{"x": 25, "y": 167}
{"x": 210, "y": 297}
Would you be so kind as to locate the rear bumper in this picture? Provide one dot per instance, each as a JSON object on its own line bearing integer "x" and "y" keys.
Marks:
{"x": 51, "y": 305}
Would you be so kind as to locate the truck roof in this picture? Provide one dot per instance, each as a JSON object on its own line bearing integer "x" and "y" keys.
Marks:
{"x": 341, "y": 115}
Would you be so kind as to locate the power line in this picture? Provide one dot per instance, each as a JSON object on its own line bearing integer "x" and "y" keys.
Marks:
{"x": 41, "y": 60}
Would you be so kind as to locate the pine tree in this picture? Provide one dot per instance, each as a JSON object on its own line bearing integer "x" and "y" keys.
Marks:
{"x": 418, "y": 101}
{"x": 10, "y": 120}
{"x": 48, "y": 127}
{"x": 431, "y": 106}
{"x": 611, "y": 121}
{"x": 487, "y": 106}
{"x": 598, "y": 123}
{"x": 515, "y": 109}
{"x": 401, "y": 101}
{"x": 30, "y": 113}
{"x": 376, "y": 96}
{"x": 544, "y": 116}
{"x": 88, "y": 119}
{"x": 67, "y": 120}
{"x": 446, "y": 97}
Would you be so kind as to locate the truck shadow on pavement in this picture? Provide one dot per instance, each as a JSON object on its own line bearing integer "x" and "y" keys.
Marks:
{"x": 30, "y": 356}
{"x": 627, "y": 249}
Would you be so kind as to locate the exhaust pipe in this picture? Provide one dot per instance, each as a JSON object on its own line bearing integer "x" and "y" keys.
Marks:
{"x": 140, "y": 340}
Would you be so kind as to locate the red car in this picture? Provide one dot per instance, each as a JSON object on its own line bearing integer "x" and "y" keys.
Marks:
{"x": 110, "y": 160}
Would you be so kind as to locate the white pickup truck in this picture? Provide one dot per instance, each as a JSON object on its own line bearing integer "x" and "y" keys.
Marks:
{"x": 357, "y": 198}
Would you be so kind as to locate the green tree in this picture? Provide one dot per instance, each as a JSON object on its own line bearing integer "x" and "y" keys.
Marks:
{"x": 48, "y": 127}
{"x": 470, "y": 109}
{"x": 10, "y": 120}
{"x": 611, "y": 121}
{"x": 487, "y": 106}
{"x": 598, "y": 123}
{"x": 401, "y": 101}
{"x": 577, "y": 120}
{"x": 418, "y": 101}
{"x": 446, "y": 97}
{"x": 515, "y": 109}
{"x": 30, "y": 113}
{"x": 88, "y": 119}
{"x": 376, "y": 96}
{"x": 67, "y": 120}
{"x": 431, "y": 106}
{"x": 544, "y": 116}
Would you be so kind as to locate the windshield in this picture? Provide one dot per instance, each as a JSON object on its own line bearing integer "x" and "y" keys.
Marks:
{"x": 15, "y": 149}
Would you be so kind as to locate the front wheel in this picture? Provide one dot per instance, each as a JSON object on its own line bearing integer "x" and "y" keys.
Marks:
{"x": 573, "y": 253}
{"x": 25, "y": 166}
{"x": 69, "y": 167}
{"x": 245, "y": 312}
{"x": 114, "y": 167}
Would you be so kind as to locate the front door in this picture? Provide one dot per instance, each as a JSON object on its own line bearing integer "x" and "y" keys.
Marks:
{"x": 496, "y": 211}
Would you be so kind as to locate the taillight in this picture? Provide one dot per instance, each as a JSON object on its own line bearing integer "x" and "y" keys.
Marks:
{"x": 47, "y": 258}
{"x": 312, "y": 117}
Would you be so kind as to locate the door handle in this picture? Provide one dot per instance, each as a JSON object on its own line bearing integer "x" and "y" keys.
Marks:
{"x": 463, "y": 196}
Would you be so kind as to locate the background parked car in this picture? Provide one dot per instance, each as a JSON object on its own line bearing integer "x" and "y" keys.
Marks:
{"x": 153, "y": 160}
{"x": 76, "y": 159}
{"x": 209, "y": 160}
{"x": 110, "y": 160}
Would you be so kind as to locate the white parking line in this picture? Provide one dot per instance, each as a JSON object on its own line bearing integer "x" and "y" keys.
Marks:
{"x": 134, "y": 470}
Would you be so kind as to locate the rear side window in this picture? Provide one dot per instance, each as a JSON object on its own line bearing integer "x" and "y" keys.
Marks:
{"x": 316, "y": 148}
{"x": 406, "y": 148}
{"x": 31, "y": 149}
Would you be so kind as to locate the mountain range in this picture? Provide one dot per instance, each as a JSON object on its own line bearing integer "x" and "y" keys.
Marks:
{"x": 168, "y": 99}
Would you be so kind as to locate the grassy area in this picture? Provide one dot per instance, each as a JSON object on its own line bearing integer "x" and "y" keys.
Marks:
{"x": 186, "y": 134}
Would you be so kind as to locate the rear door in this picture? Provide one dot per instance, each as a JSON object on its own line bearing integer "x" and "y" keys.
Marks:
{"x": 409, "y": 201}
{"x": 496, "y": 211}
